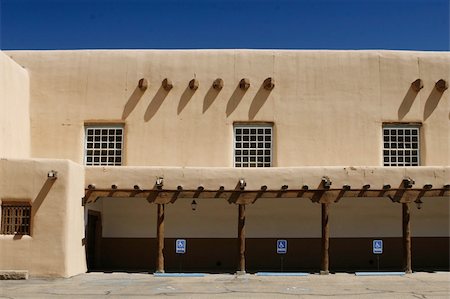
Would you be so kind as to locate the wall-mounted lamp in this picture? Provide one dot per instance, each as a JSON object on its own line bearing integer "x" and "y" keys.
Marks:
{"x": 346, "y": 187}
{"x": 179, "y": 188}
{"x": 91, "y": 186}
{"x": 167, "y": 84}
{"x": 218, "y": 84}
{"x": 143, "y": 84}
{"x": 136, "y": 187}
{"x": 159, "y": 182}
{"x": 263, "y": 188}
{"x": 284, "y": 187}
{"x": 408, "y": 183}
{"x": 114, "y": 186}
{"x": 194, "y": 205}
{"x": 242, "y": 184}
{"x": 386, "y": 187}
{"x": 193, "y": 84}
{"x": 366, "y": 186}
{"x": 52, "y": 174}
{"x": 419, "y": 204}
{"x": 305, "y": 187}
{"x": 326, "y": 182}
{"x": 441, "y": 85}
{"x": 244, "y": 84}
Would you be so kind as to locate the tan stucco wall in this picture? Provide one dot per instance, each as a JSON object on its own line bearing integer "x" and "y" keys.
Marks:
{"x": 55, "y": 245}
{"x": 327, "y": 106}
{"x": 14, "y": 109}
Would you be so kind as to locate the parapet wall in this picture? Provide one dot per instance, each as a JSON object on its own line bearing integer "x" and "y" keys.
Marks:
{"x": 14, "y": 109}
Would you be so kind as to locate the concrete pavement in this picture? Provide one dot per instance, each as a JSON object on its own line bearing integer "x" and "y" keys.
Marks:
{"x": 124, "y": 285}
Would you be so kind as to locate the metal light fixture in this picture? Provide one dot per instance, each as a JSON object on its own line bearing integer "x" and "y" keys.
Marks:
{"x": 326, "y": 182}
{"x": 419, "y": 204}
{"x": 159, "y": 182}
{"x": 408, "y": 183}
{"x": 242, "y": 184}
{"x": 52, "y": 174}
{"x": 194, "y": 205}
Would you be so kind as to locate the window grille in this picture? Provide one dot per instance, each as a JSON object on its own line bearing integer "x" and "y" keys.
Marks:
{"x": 401, "y": 145}
{"x": 104, "y": 145}
{"x": 253, "y": 146}
{"x": 16, "y": 219}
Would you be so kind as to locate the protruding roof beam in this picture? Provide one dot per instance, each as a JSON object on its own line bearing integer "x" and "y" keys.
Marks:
{"x": 218, "y": 84}
{"x": 269, "y": 83}
{"x": 244, "y": 84}
{"x": 407, "y": 183}
{"x": 417, "y": 85}
{"x": 193, "y": 84}
{"x": 143, "y": 84}
{"x": 441, "y": 85}
{"x": 167, "y": 84}
{"x": 324, "y": 185}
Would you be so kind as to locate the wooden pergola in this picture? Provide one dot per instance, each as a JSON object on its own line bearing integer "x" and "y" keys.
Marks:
{"x": 404, "y": 193}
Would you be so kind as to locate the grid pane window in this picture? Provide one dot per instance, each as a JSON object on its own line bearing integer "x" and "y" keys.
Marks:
{"x": 16, "y": 219}
{"x": 253, "y": 146}
{"x": 401, "y": 146}
{"x": 104, "y": 145}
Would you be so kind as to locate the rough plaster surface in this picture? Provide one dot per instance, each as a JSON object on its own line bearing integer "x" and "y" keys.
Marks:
{"x": 14, "y": 109}
{"x": 327, "y": 107}
{"x": 54, "y": 247}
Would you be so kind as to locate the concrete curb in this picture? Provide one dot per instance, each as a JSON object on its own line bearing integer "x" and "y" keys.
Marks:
{"x": 281, "y": 274}
{"x": 179, "y": 274}
{"x": 379, "y": 273}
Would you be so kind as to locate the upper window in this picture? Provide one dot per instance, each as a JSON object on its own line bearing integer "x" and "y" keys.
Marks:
{"x": 104, "y": 145}
{"x": 252, "y": 145}
{"x": 16, "y": 218}
{"x": 401, "y": 145}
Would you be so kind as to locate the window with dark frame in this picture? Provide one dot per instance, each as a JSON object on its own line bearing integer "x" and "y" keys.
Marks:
{"x": 16, "y": 218}
{"x": 104, "y": 145}
{"x": 401, "y": 145}
{"x": 253, "y": 145}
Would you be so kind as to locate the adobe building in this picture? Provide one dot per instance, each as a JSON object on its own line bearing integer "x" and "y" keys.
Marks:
{"x": 108, "y": 157}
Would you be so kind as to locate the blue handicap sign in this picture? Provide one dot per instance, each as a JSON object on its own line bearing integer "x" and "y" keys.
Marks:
{"x": 281, "y": 246}
{"x": 180, "y": 246}
{"x": 377, "y": 246}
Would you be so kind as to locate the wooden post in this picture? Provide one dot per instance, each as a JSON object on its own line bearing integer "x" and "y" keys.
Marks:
{"x": 241, "y": 237}
{"x": 406, "y": 238}
{"x": 325, "y": 240}
{"x": 160, "y": 239}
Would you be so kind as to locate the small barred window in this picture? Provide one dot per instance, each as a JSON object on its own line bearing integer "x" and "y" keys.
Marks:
{"x": 104, "y": 145}
{"x": 253, "y": 145}
{"x": 401, "y": 145}
{"x": 16, "y": 218}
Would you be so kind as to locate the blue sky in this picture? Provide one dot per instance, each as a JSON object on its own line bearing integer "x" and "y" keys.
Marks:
{"x": 254, "y": 24}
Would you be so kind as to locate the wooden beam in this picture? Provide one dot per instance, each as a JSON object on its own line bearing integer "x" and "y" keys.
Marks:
{"x": 160, "y": 239}
{"x": 406, "y": 227}
{"x": 325, "y": 240}
{"x": 241, "y": 239}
